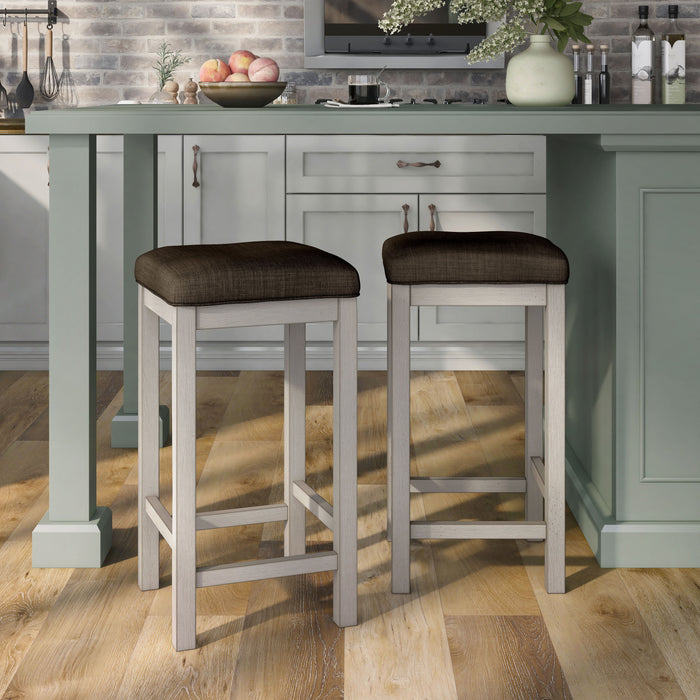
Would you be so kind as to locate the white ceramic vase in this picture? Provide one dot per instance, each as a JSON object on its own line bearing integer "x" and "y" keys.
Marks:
{"x": 540, "y": 76}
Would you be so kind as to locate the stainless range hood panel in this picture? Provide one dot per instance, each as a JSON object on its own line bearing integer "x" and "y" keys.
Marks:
{"x": 316, "y": 56}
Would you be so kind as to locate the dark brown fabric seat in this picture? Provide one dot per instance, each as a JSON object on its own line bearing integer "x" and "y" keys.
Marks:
{"x": 483, "y": 257}
{"x": 203, "y": 275}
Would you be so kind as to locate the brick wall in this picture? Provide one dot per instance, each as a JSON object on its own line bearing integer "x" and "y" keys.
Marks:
{"x": 106, "y": 49}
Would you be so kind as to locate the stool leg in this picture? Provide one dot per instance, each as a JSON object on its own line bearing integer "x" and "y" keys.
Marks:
{"x": 389, "y": 422}
{"x": 554, "y": 457}
{"x": 345, "y": 462}
{"x": 184, "y": 479}
{"x": 534, "y": 357}
{"x": 294, "y": 435}
{"x": 399, "y": 435}
{"x": 148, "y": 399}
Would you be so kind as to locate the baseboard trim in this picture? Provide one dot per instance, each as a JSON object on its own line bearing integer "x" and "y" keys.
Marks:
{"x": 219, "y": 355}
{"x": 633, "y": 544}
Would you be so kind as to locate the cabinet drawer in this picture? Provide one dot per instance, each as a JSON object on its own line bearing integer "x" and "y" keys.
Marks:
{"x": 371, "y": 164}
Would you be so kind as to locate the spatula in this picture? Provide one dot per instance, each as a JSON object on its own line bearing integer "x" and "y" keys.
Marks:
{"x": 25, "y": 91}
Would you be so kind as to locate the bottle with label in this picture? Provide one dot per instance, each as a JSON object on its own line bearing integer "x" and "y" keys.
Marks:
{"x": 588, "y": 88}
{"x": 578, "y": 78}
{"x": 673, "y": 61}
{"x": 604, "y": 77}
{"x": 643, "y": 42}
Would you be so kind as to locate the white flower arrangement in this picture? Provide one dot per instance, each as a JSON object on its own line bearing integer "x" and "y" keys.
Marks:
{"x": 562, "y": 19}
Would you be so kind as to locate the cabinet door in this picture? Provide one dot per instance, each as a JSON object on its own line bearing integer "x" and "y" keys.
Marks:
{"x": 479, "y": 213}
{"x": 110, "y": 222}
{"x": 239, "y": 197}
{"x": 353, "y": 227}
{"x": 24, "y": 238}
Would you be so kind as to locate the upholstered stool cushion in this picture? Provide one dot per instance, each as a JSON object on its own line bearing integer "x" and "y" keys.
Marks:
{"x": 483, "y": 257}
{"x": 202, "y": 275}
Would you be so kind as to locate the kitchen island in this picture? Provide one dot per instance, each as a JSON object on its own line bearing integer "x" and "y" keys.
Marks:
{"x": 623, "y": 201}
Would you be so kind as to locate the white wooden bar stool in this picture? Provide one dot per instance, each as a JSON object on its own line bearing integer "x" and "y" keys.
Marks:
{"x": 246, "y": 284}
{"x": 490, "y": 268}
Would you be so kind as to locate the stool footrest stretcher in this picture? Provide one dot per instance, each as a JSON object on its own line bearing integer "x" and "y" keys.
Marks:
{"x": 270, "y": 568}
{"x": 479, "y": 530}
{"x": 314, "y": 503}
{"x": 468, "y": 484}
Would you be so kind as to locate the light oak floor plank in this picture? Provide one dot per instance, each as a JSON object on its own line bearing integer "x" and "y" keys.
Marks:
{"x": 669, "y": 601}
{"x": 605, "y": 648}
{"x": 156, "y": 670}
{"x": 399, "y": 649}
{"x": 510, "y": 658}
{"x": 21, "y": 403}
{"x": 478, "y": 618}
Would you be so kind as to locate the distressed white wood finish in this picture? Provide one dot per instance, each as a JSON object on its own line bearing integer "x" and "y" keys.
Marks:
{"x": 345, "y": 462}
{"x": 159, "y": 516}
{"x": 313, "y": 502}
{"x": 294, "y": 435}
{"x": 554, "y": 442}
{"x": 311, "y": 563}
{"x": 208, "y": 520}
{"x": 478, "y": 294}
{"x": 537, "y": 467}
{"x": 399, "y": 437}
{"x": 545, "y": 330}
{"x": 468, "y": 484}
{"x": 158, "y": 306}
{"x": 184, "y": 478}
{"x": 482, "y": 530}
{"x": 148, "y": 399}
{"x": 265, "y": 313}
{"x": 179, "y": 530}
{"x": 534, "y": 368}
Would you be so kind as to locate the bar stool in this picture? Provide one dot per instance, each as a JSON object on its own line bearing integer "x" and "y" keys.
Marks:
{"x": 489, "y": 268}
{"x": 246, "y": 284}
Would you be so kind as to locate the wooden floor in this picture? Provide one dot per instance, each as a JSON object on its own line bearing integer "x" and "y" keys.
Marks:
{"x": 477, "y": 625}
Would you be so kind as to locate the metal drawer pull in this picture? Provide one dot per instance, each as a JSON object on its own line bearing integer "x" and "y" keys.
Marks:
{"x": 195, "y": 182}
{"x": 404, "y": 164}
{"x": 431, "y": 207}
{"x": 405, "y": 208}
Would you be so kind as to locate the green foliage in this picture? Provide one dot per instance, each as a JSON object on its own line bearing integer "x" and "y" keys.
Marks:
{"x": 564, "y": 21}
{"x": 168, "y": 62}
{"x": 561, "y": 19}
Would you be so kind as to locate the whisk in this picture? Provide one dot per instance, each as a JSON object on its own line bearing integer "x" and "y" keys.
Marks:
{"x": 3, "y": 97}
{"x": 49, "y": 80}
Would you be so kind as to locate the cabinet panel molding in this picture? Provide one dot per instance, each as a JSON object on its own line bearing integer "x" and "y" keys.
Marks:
{"x": 372, "y": 164}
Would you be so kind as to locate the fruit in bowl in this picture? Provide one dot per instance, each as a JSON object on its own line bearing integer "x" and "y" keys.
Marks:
{"x": 245, "y": 81}
{"x": 263, "y": 70}
{"x": 240, "y": 61}
{"x": 214, "y": 71}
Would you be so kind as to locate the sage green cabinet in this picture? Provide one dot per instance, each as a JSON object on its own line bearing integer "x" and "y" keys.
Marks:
{"x": 233, "y": 190}
{"x": 633, "y": 339}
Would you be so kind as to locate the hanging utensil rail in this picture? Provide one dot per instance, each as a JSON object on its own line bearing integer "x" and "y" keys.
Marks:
{"x": 51, "y": 12}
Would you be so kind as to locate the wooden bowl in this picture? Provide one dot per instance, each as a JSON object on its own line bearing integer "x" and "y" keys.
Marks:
{"x": 242, "y": 94}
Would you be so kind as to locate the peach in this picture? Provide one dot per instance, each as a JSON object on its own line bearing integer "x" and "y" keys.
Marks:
{"x": 240, "y": 60}
{"x": 263, "y": 70}
{"x": 237, "y": 78}
{"x": 213, "y": 71}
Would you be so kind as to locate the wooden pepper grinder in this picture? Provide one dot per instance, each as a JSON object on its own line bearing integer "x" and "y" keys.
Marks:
{"x": 172, "y": 88}
{"x": 190, "y": 92}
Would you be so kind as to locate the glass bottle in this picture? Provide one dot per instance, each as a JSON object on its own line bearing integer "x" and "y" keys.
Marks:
{"x": 604, "y": 77}
{"x": 578, "y": 78}
{"x": 588, "y": 91}
{"x": 643, "y": 42}
{"x": 673, "y": 61}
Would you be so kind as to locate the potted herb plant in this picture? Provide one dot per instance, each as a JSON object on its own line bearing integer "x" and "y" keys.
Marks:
{"x": 539, "y": 75}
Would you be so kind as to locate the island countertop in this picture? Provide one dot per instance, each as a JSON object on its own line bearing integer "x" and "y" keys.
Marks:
{"x": 623, "y": 202}
{"x": 665, "y": 120}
